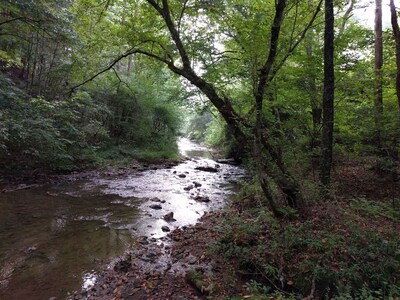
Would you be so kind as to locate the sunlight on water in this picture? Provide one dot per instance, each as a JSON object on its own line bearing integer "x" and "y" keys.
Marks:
{"x": 54, "y": 239}
{"x": 89, "y": 279}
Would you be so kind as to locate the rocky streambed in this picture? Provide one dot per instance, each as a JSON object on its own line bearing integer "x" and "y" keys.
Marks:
{"x": 119, "y": 233}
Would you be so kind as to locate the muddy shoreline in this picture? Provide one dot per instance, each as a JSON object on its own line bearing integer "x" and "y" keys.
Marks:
{"x": 178, "y": 266}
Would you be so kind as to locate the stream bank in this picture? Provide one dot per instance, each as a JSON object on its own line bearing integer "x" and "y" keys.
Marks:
{"x": 57, "y": 237}
{"x": 178, "y": 266}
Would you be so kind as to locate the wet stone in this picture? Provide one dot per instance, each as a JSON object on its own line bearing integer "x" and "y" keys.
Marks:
{"x": 204, "y": 199}
{"x": 143, "y": 240}
{"x": 188, "y": 188}
{"x": 196, "y": 184}
{"x": 169, "y": 217}
{"x": 165, "y": 229}
{"x": 155, "y": 206}
{"x": 207, "y": 169}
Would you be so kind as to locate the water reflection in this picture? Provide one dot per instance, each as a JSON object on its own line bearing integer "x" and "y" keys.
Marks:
{"x": 55, "y": 238}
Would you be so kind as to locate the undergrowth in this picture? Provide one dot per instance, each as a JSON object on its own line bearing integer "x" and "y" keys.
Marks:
{"x": 123, "y": 155}
{"x": 339, "y": 251}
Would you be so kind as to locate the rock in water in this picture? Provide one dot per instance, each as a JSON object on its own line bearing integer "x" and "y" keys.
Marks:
{"x": 155, "y": 206}
{"x": 188, "y": 188}
{"x": 165, "y": 229}
{"x": 228, "y": 161}
{"x": 207, "y": 169}
{"x": 169, "y": 217}
{"x": 196, "y": 184}
{"x": 202, "y": 199}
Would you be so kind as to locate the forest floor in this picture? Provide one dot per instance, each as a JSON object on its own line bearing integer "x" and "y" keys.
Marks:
{"x": 185, "y": 264}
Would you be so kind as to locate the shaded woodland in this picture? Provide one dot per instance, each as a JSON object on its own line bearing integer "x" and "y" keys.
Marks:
{"x": 301, "y": 93}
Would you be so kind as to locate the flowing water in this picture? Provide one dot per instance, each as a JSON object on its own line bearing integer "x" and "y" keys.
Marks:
{"x": 54, "y": 239}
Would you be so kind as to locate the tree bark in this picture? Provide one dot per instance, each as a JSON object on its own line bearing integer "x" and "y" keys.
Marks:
{"x": 378, "y": 56}
{"x": 328, "y": 96}
{"x": 378, "y": 98}
{"x": 316, "y": 111}
{"x": 396, "y": 36}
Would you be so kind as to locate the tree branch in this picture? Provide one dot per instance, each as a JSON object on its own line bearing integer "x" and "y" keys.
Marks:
{"x": 165, "y": 13}
{"x": 126, "y": 54}
{"x": 11, "y": 20}
{"x": 346, "y": 16}
{"x": 294, "y": 46}
{"x": 266, "y": 69}
{"x": 181, "y": 15}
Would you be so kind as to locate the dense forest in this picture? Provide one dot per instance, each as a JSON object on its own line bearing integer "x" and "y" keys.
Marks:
{"x": 301, "y": 93}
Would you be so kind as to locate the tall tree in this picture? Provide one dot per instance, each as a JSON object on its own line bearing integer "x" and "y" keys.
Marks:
{"x": 378, "y": 97}
{"x": 396, "y": 36}
{"x": 173, "y": 33}
{"x": 328, "y": 96}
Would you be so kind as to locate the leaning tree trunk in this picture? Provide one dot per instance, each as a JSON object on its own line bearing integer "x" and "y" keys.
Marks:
{"x": 328, "y": 97}
{"x": 238, "y": 125}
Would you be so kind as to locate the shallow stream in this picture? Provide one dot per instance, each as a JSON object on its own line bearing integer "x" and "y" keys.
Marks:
{"x": 55, "y": 238}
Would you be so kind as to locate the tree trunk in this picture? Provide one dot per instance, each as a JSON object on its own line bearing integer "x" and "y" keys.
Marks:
{"x": 328, "y": 96}
{"x": 315, "y": 106}
{"x": 262, "y": 173}
{"x": 378, "y": 99}
{"x": 239, "y": 126}
{"x": 396, "y": 35}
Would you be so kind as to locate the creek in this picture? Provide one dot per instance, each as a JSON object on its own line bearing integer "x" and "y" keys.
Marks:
{"x": 56, "y": 238}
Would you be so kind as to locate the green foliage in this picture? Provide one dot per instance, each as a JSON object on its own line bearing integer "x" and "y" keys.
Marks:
{"x": 377, "y": 209}
{"x": 47, "y": 134}
{"x": 197, "y": 127}
{"x": 341, "y": 251}
{"x": 107, "y": 122}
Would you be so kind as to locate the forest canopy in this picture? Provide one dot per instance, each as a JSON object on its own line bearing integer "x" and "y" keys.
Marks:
{"x": 296, "y": 91}
{"x": 81, "y": 77}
